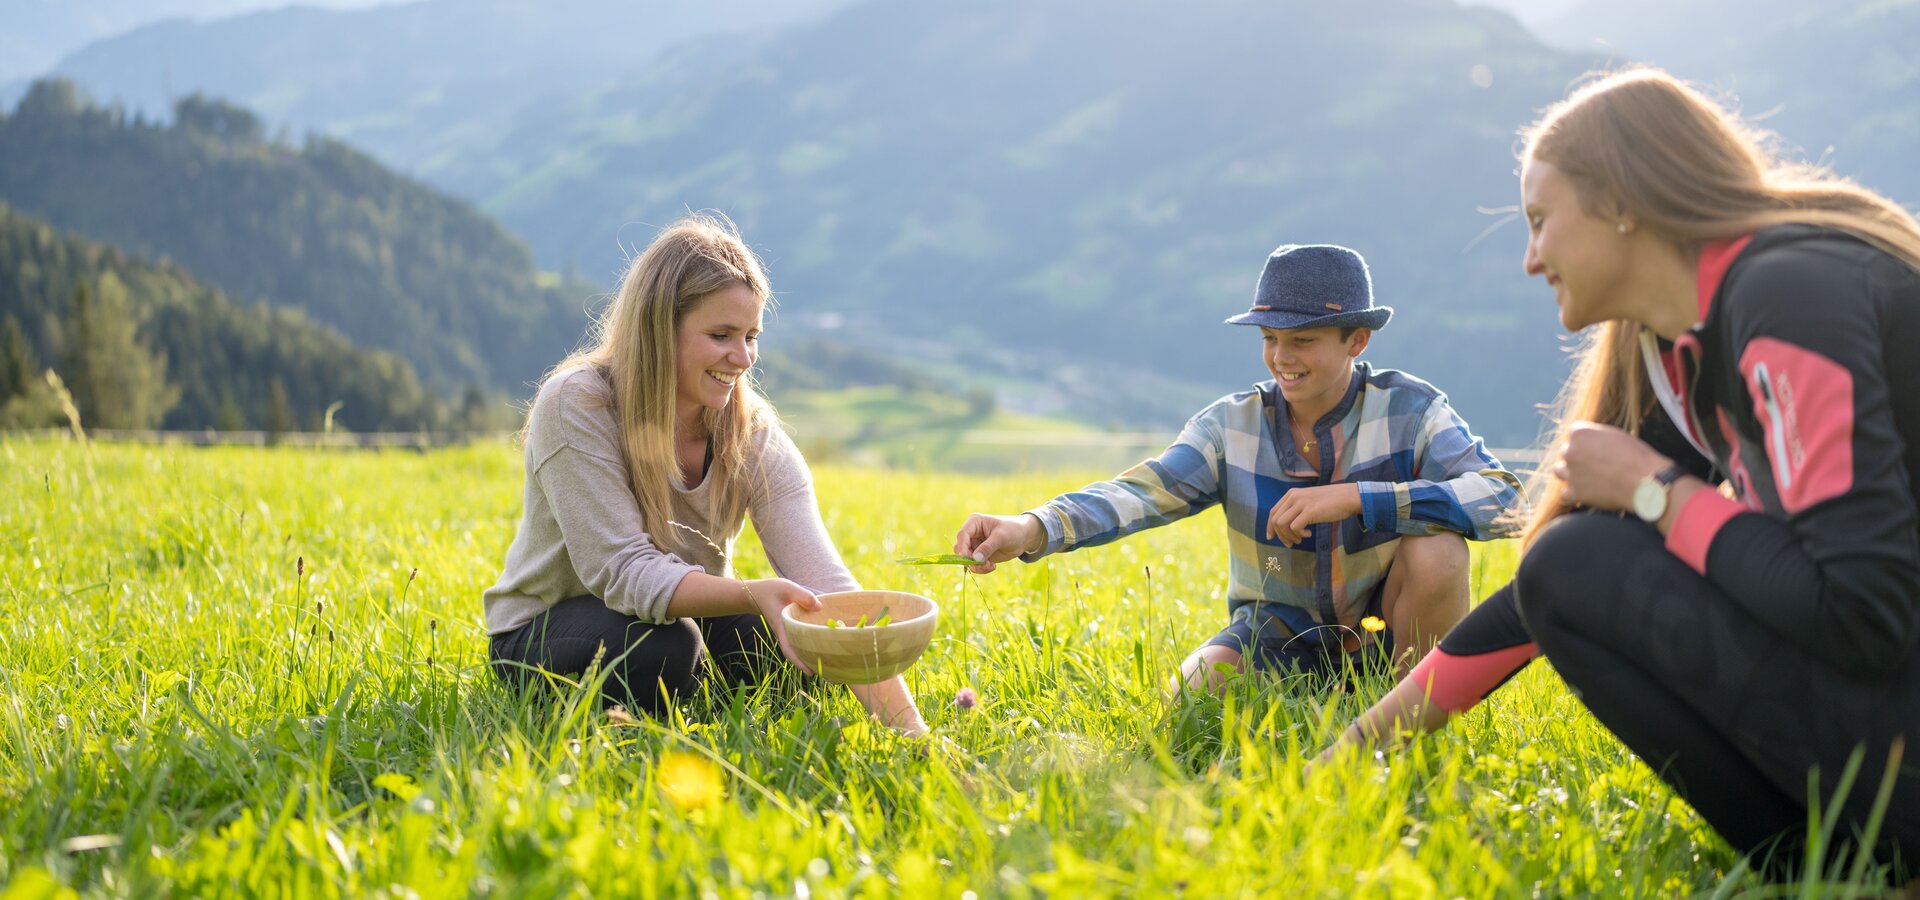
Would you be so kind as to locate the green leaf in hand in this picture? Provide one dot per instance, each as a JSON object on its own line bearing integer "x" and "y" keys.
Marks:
{"x": 942, "y": 559}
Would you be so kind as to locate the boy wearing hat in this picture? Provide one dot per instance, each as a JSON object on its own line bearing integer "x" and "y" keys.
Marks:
{"x": 1349, "y": 491}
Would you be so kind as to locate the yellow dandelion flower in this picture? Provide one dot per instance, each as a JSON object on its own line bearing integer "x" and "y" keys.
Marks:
{"x": 688, "y": 780}
{"x": 1374, "y": 624}
{"x": 399, "y": 785}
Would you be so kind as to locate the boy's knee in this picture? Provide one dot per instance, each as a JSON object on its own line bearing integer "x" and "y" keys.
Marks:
{"x": 1426, "y": 593}
{"x": 1429, "y": 580}
{"x": 1434, "y": 559}
{"x": 1207, "y": 668}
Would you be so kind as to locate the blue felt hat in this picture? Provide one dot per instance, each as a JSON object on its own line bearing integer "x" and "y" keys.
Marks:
{"x": 1314, "y": 286}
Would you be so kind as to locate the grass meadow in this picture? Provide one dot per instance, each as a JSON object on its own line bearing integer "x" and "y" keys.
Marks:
{"x": 236, "y": 672}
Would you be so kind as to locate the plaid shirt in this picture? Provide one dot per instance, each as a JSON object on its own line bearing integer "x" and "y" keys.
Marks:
{"x": 1419, "y": 469}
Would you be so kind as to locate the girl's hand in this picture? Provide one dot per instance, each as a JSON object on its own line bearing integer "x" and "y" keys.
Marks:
{"x": 1601, "y": 465}
{"x": 770, "y": 596}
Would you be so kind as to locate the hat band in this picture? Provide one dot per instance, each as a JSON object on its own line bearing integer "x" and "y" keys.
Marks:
{"x": 1259, "y": 307}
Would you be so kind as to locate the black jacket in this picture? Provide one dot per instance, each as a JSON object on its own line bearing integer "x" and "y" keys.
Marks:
{"x": 1803, "y": 382}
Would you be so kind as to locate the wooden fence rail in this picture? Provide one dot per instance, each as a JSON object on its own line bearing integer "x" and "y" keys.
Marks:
{"x": 412, "y": 440}
{"x": 422, "y": 440}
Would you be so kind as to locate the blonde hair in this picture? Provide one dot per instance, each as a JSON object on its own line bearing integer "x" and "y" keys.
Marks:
{"x": 634, "y": 346}
{"x": 1642, "y": 144}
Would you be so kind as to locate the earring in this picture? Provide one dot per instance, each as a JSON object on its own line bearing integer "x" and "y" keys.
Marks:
{"x": 1622, "y": 227}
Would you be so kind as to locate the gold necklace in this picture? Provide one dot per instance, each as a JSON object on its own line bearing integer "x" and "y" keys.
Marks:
{"x": 1309, "y": 445}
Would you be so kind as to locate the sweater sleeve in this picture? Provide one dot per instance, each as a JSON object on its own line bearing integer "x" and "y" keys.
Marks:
{"x": 786, "y": 515}
{"x": 1837, "y": 573}
{"x": 1457, "y": 486}
{"x": 580, "y": 470}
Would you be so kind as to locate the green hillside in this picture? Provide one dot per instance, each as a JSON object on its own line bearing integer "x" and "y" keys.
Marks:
{"x": 217, "y": 362}
{"x": 320, "y": 227}
{"x": 844, "y": 403}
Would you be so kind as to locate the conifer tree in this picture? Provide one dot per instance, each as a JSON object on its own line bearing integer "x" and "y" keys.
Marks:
{"x": 77, "y": 336}
{"x": 115, "y": 380}
{"x": 229, "y": 418}
{"x": 279, "y": 408}
{"x": 473, "y": 410}
{"x": 17, "y": 365}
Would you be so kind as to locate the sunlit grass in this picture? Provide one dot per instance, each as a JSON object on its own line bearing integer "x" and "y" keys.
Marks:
{"x": 261, "y": 672}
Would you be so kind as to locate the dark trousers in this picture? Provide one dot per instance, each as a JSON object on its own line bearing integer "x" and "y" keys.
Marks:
{"x": 648, "y": 666}
{"x": 1731, "y": 713}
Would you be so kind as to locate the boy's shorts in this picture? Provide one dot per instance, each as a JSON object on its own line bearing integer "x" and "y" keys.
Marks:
{"x": 1291, "y": 642}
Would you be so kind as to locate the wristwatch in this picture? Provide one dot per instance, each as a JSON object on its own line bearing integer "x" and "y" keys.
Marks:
{"x": 1650, "y": 495}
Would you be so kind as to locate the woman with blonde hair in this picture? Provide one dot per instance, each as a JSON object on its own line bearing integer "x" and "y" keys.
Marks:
{"x": 644, "y": 456}
{"x": 1757, "y": 321}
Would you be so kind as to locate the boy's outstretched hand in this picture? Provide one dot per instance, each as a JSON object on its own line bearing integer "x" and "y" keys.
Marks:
{"x": 995, "y": 539}
{"x": 1303, "y": 508}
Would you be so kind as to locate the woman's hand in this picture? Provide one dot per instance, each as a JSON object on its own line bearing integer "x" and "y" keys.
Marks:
{"x": 769, "y": 596}
{"x": 1302, "y": 508}
{"x": 1601, "y": 465}
{"x": 996, "y": 539}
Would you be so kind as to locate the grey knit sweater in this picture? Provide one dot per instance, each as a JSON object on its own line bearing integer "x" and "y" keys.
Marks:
{"x": 582, "y": 532}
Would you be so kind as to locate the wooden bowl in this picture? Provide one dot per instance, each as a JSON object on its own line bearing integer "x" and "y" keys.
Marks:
{"x": 850, "y": 655}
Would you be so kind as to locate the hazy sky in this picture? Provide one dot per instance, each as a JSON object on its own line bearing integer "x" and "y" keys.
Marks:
{"x": 37, "y": 33}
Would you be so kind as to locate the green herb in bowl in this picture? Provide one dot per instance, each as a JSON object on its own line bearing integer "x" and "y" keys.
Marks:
{"x": 884, "y": 618}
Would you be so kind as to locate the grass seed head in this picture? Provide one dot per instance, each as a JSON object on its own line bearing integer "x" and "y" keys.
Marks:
{"x": 701, "y": 535}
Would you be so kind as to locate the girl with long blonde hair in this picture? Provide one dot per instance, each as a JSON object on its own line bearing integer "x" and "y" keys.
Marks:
{"x": 1756, "y": 326}
{"x": 645, "y": 454}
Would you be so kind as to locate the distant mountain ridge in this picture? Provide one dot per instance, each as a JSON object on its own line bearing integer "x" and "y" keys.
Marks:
{"x": 39, "y": 33}
{"x": 999, "y": 176}
{"x": 404, "y": 81}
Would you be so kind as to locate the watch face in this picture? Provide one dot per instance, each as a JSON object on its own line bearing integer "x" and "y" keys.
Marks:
{"x": 1650, "y": 500}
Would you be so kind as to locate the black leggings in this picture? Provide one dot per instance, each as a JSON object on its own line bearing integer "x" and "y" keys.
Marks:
{"x": 647, "y": 665}
{"x": 1730, "y": 713}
